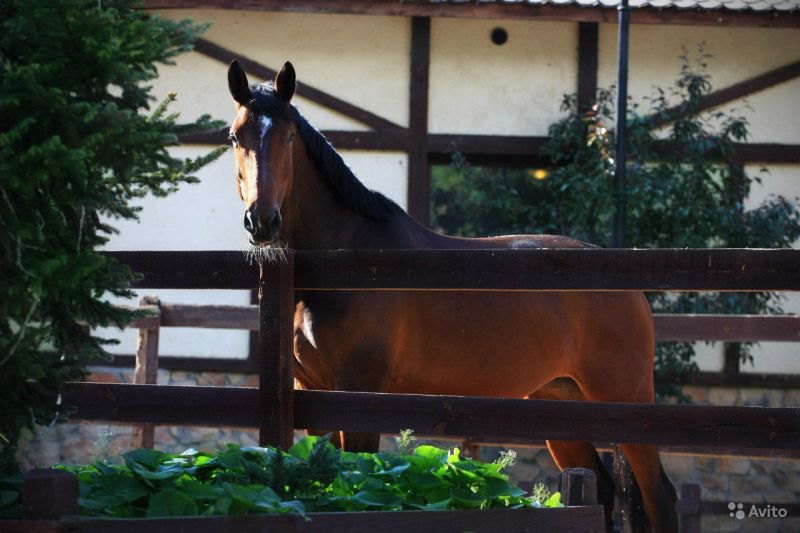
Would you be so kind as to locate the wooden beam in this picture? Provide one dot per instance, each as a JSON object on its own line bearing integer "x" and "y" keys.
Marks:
{"x": 501, "y": 10}
{"x": 766, "y": 153}
{"x": 508, "y": 150}
{"x": 146, "y": 371}
{"x": 551, "y": 269}
{"x": 731, "y": 328}
{"x": 741, "y": 380}
{"x": 738, "y": 90}
{"x": 485, "y": 144}
{"x": 588, "y": 46}
{"x": 419, "y": 172}
{"x": 669, "y": 327}
{"x": 384, "y": 140}
{"x": 596, "y": 269}
{"x": 586, "y": 518}
{"x": 484, "y": 419}
{"x": 225, "y": 55}
{"x": 275, "y": 355}
{"x": 193, "y": 364}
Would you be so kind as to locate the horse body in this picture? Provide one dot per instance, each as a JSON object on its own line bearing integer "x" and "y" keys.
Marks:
{"x": 434, "y": 342}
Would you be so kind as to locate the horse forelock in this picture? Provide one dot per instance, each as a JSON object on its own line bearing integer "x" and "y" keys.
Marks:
{"x": 345, "y": 184}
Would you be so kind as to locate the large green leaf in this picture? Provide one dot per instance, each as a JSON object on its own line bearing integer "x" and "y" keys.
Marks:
{"x": 171, "y": 502}
{"x": 381, "y": 499}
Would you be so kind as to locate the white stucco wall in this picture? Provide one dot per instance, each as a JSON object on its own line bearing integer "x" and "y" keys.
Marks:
{"x": 515, "y": 89}
{"x": 476, "y": 87}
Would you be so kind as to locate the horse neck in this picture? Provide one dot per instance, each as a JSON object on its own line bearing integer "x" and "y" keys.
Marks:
{"x": 315, "y": 219}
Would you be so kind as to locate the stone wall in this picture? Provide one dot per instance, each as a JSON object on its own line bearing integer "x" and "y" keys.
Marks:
{"x": 722, "y": 478}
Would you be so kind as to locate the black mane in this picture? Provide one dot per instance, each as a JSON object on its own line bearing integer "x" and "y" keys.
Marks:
{"x": 345, "y": 185}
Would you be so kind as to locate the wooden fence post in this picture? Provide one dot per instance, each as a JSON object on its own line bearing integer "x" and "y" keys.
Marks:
{"x": 276, "y": 352}
{"x": 49, "y": 494}
{"x": 627, "y": 499}
{"x": 146, "y": 371}
{"x": 689, "y": 508}
{"x": 578, "y": 486}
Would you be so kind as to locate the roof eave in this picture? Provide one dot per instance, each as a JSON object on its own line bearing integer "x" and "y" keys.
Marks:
{"x": 500, "y": 10}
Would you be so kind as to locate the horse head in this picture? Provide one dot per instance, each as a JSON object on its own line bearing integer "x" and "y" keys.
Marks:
{"x": 262, "y": 136}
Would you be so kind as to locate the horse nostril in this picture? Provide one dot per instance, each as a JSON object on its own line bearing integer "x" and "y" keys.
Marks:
{"x": 275, "y": 223}
{"x": 249, "y": 222}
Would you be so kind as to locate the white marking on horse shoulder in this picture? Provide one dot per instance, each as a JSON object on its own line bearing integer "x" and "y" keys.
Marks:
{"x": 307, "y": 331}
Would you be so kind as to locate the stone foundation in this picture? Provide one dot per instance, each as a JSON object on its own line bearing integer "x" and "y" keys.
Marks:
{"x": 722, "y": 478}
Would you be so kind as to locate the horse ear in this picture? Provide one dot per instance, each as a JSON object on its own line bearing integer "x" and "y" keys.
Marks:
{"x": 285, "y": 82}
{"x": 237, "y": 83}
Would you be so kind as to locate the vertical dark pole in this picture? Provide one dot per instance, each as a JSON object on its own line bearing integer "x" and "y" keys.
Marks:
{"x": 419, "y": 172}
{"x": 146, "y": 371}
{"x": 275, "y": 352}
{"x": 587, "y": 64}
{"x": 578, "y": 486}
{"x": 690, "y": 508}
{"x": 628, "y": 498}
{"x": 620, "y": 186}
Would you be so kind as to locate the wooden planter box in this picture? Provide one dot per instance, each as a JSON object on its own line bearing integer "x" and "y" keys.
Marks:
{"x": 583, "y": 519}
{"x": 50, "y": 505}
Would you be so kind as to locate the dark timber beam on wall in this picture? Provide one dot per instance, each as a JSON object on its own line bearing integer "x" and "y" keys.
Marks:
{"x": 498, "y": 9}
{"x": 224, "y": 55}
{"x": 587, "y": 64}
{"x": 741, "y": 89}
{"x": 489, "y": 149}
{"x": 419, "y": 171}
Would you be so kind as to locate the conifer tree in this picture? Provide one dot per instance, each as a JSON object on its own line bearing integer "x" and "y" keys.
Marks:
{"x": 79, "y": 140}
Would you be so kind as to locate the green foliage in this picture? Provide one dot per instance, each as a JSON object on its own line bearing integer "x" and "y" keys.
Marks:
{"x": 685, "y": 189}
{"x": 311, "y": 476}
{"x": 75, "y": 147}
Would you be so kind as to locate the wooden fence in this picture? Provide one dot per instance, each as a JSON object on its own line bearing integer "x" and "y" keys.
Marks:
{"x": 277, "y": 409}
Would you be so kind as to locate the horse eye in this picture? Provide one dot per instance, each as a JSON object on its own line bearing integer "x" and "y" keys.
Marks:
{"x": 234, "y": 140}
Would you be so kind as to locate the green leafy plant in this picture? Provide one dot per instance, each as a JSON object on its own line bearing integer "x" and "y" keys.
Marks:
{"x": 78, "y": 142}
{"x": 686, "y": 188}
{"x": 311, "y": 476}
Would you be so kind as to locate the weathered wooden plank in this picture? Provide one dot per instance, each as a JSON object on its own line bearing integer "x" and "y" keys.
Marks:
{"x": 275, "y": 353}
{"x": 669, "y": 327}
{"x": 741, "y": 379}
{"x": 146, "y": 370}
{"x": 587, "y": 519}
{"x": 481, "y": 419}
{"x": 491, "y": 418}
{"x": 738, "y": 328}
{"x": 551, "y": 269}
{"x": 210, "y": 316}
{"x": 164, "y": 404}
{"x": 190, "y": 270}
{"x": 394, "y": 139}
{"x": 689, "y": 508}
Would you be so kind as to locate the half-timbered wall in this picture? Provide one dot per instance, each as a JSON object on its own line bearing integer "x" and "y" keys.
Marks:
{"x": 492, "y": 100}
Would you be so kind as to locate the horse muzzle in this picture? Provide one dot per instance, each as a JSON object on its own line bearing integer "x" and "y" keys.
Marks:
{"x": 264, "y": 226}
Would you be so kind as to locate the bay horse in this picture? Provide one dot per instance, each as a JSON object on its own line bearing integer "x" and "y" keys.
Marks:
{"x": 299, "y": 193}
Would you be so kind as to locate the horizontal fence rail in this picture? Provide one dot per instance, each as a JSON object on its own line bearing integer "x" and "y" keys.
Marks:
{"x": 485, "y": 419}
{"x": 506, "y": 270}
{"x": 669, "y": 327}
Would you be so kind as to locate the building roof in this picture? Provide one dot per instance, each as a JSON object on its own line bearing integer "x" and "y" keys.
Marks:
{"x": 734, "y": 5}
